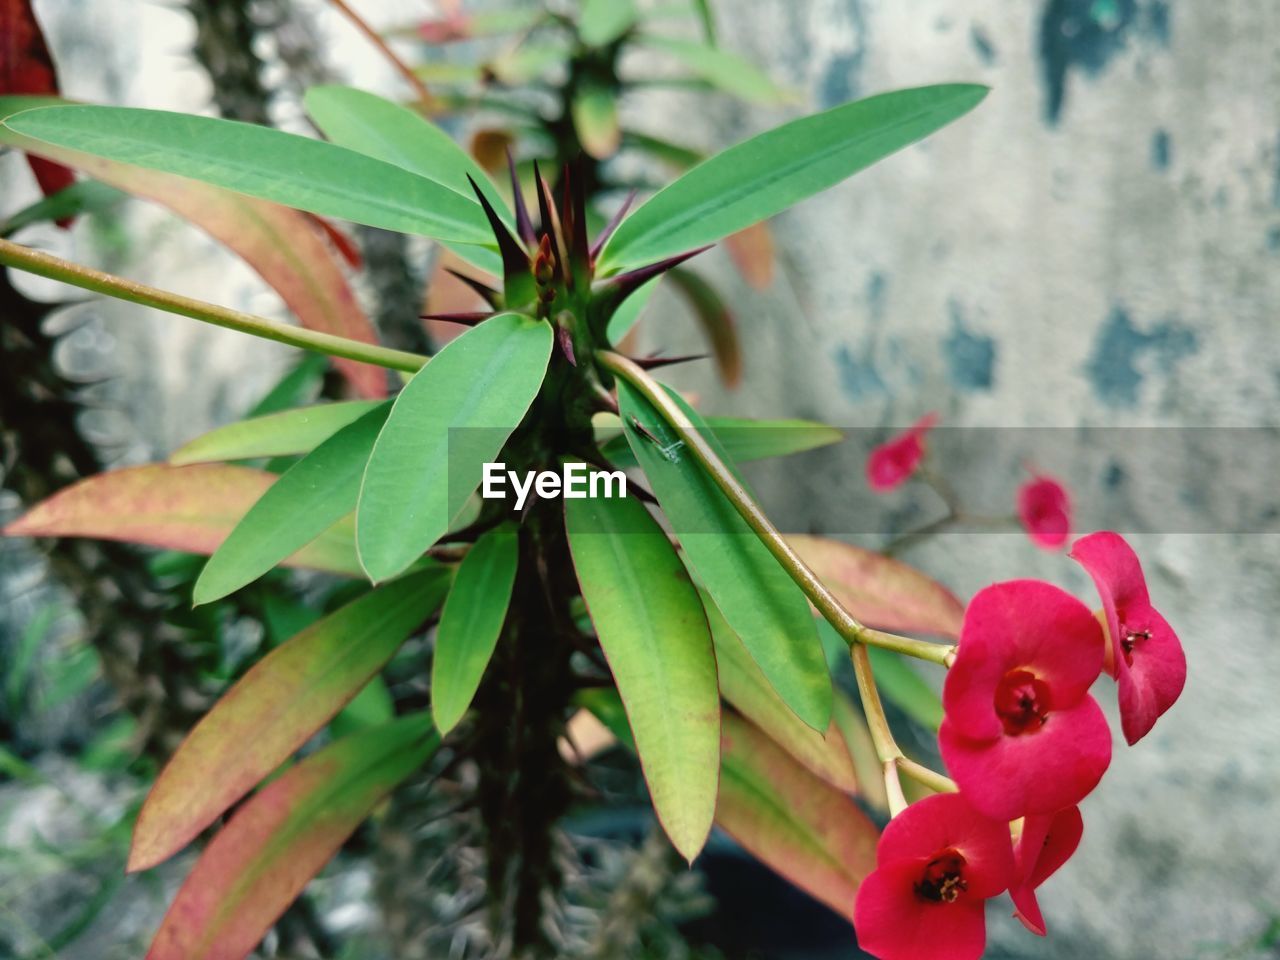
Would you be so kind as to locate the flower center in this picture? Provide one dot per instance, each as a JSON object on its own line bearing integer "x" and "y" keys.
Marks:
{"x": 1130, "y": 639}
{"x": 943, "y": 878}
{"x": 1022, "y": 702}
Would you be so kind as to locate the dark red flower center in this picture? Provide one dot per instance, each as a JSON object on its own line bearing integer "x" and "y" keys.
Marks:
{"x": 942, "y": 880}
{"x": 1022, "y": 702}
{"x": 1129, "y": 639}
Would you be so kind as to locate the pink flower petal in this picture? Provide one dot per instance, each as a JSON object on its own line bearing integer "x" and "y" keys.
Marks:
{"x": 1149, "y": 664}
{"x": 893, "y": 923}
{"x": 1020, "y": 625}
{"x": 1036, "y": 772}
{"x": 1047, "y": 842}
{"x": 892, "y": 463}
{"x": 949, "y": 822}
{"x": 1044, "y": 509}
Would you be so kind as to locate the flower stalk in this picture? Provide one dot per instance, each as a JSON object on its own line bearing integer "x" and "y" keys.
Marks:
{"x": 87, "y": 278}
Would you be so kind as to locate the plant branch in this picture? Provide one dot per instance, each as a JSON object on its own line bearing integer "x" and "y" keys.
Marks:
{"x": 384, "y": 48}
{"x": 77, "y": 275}
{"x": 886, "y": 747}
{"x": 819, "y": 595}
{"x": 930, "y": 778}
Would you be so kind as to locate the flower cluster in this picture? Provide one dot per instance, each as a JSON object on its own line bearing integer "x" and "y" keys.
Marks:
{"x": 1025, "y": 743}
{"x": 1042, "y": 503}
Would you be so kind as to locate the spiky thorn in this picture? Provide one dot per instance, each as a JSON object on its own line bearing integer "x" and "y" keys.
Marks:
{"x": 551, "y": 225}
{"x": 466, "y": 318}
{"x": 515, "y": 260}
{"x": 625, "y": 284}
{"x": 546, "y": 226}
{"x": 574, "y": 219}
{"x": 486, "y": 292}
{"x": 564, "y": 338}
{"x": 654, "y": 363}
{"x": 611, "y": 226}
{"x": 523, "y": 224}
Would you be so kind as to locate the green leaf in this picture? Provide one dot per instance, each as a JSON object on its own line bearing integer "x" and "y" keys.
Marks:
{"x": 296, "y": 171}
{"x": 311, "y": 496}
{"x": 604, "y": 21}
{"x": 453, "y": 416}
{"x": 897, "y": 680}
{"x": 654, "y": 634}
{"x": 282, "y": 434}
{"x": 626, "y": 315}
{"x": 808, "y": 831}
{"x": 387, "y": 131}
{"x": 746, "y": 440}
{"x": 595, "y": 117}
{"x": 299, "y": 385}
{"x": 707, "y": 17}
{"x": 83, "y": 196}
{"x": 723, "y": 70}
{"x": 715, "y": 320}
{"x": 471, "y": 623}
{"x": 265, "y": 856}
{"x": 768, "y": 173}
{"x": 274, "y": 709}
{"x": 757, "y": 597}
{"x": 744, "y": 686}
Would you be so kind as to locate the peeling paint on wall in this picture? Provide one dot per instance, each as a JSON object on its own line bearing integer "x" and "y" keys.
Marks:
{"x": 970, "y": 357}
{"x": 1117, "y": 368}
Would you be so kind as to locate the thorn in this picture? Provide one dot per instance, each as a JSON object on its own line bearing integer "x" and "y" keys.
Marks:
{"x": 514, "y": 257}
{"x": 487, "y": 293}
{"x": 627, "y": 283}
{"x": 653, "y": 363}
{"x": 565, "y": 339}
{"x": 468, "y": 319}
{"x": 612, "y": 225}
{"x": 523, "y": 224}
{"x": 546, "y": 225}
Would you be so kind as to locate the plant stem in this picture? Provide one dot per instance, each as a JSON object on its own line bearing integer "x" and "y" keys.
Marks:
{"x": 393, "y": 58}
{"x": 55, "y": 268}
{"x": 822, "y": 598}
{"x": 930, "y": 778}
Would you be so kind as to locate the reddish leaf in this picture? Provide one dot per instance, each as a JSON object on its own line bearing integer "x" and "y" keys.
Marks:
{"x": 881, "y": 591}
{"x": 259, "y": 863}
{"x": 274, "y": 709}
{"x": 190, "y": 508}
{"x": 283, "y": 246}
{"x": 27, "y": 68}
{"x": 752, "y": 253}
{"x": 800, "y": 826}
{"x": 489, "y": 145}
{"x": 716, "y": 322}
{"x": 343, "y": 244}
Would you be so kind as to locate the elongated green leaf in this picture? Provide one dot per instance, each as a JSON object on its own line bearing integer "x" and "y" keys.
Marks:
{"x": 724, "y": 70}
{"x": 176, "y": 508}
{"x": 83, "y": 196}
{"x": 770, "y": 172}
{"x": 283, "y": 434}
{"x": 282, "y": 167}
{"x": 744, "y": 686}
{"x": 595, "y": 117}
{"x": 654, "y": 634}
{"x": 470, "y": 624}
{"x": 625, "y": 317}
{"x": 746, "y": 440}
{"x": 897, "y": 680}
{"x": 274, "y": 709}
{"x": 311, "y": 496}
{"x": 280, "y": 839}
{"x": 879, "y": 590}
{"x": 862, "y": 751}
{"x": 759, "y": 601}
{"x": 803, "y": 828}
{"x": 283, "y": 246}
{"x": 452, "y": 417}
{"x": 604, "y": 21}
{"x": 708, "y": 20}
{"x": 386, "y": 131}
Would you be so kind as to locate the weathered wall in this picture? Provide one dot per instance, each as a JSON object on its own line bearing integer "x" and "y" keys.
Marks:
{"x": 1098, "y": 244}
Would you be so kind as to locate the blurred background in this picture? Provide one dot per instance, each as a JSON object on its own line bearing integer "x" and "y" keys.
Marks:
{"x": 1098, "y": 245}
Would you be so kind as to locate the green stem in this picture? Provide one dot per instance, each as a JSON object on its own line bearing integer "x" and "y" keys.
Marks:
{"x": 930, "y": 778}
{"x": 55, "y": 268}
{"x": 819, "y": 595}
{"x": 886, "y": 747}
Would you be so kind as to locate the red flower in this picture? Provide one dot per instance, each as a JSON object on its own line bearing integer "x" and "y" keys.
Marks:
{"x": 1045, "y": 511}
{"x": 1021, "y": 734}
{"x": 1047, "y": 842}
{"x": 937, "y": 863}
{"x": 1144, "y": 654}
{"x": 892, "y": 463}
